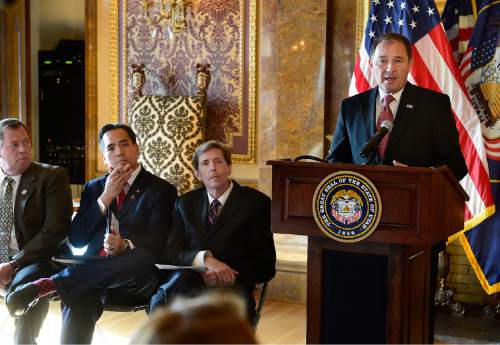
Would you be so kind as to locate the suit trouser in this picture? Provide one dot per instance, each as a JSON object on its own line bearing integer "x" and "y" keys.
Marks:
{"x": 190, "y": 283}
{"x": 126, "y": 279}
{"x": 28, "y": 326}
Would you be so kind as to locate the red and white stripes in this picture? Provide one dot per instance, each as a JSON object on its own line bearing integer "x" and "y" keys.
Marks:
{"x": 434, "y": 67}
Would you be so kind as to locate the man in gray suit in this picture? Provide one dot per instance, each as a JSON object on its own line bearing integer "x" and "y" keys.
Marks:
{"x": 35, "y": 214}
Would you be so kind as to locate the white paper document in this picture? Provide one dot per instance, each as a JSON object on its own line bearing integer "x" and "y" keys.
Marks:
{"x": 173, "y": 267}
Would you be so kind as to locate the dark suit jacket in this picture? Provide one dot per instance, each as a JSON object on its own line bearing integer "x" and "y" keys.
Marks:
{"x": 424, "y": 133}
{"x": 42, "y": 212}
{"x": 144, "y": 218}
{"x": 241, "y": 236}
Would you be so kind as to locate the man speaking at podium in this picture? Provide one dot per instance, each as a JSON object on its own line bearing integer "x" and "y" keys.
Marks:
{"x": 397, "y": 123}
{"x": 408, "y": 125}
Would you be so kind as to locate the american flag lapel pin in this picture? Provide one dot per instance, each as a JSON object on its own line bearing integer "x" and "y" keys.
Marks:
{"x": 136, "y": 192}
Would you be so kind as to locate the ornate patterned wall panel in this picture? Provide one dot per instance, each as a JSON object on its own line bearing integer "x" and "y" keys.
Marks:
{"x": 219, "y": 32}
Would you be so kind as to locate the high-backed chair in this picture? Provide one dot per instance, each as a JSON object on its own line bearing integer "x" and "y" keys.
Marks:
{"x": 169, "y": 128}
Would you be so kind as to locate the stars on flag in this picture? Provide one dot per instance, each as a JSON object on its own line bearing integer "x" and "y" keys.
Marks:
{"x": 409, "y": 17}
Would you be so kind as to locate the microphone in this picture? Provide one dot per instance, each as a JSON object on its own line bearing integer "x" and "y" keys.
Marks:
{"x": 385, "y": 127}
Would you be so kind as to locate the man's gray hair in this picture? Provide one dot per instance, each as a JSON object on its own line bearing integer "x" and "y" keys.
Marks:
{"x": 208, "y": 145}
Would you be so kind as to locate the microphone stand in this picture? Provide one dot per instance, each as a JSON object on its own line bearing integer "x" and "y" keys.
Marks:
{"x": 372, "y": 159}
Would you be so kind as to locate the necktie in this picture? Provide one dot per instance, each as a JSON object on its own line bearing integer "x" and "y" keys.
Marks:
{"x": 119, "y": 202}
{"x": 6, "y": 218}
{"x": 213, "y": 211}
{"x": 121, "y": 197}
{"x": 385, "y": 115}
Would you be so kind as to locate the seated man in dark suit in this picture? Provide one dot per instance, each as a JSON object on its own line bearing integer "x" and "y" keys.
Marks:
{"x": 140, "y": 205}
{"x": 424, "y": 133}
{"x": 35, "y": 202}
{"x": 223, "y": 227}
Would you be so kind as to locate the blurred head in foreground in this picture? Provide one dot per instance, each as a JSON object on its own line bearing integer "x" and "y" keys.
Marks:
{"x": 216, "y": 317}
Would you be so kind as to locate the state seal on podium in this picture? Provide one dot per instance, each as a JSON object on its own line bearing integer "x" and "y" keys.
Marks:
{"x": 346, "y": 206}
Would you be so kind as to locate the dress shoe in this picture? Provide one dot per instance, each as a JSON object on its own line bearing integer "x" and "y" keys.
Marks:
{"x": 22, "y": 299}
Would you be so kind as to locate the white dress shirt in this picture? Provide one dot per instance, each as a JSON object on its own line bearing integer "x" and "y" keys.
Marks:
{"x": 199, "y": 259}
{"x": 380, "y": 102}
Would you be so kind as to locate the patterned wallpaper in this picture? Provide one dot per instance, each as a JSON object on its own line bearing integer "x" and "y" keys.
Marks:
{"x": 215, "y": 34}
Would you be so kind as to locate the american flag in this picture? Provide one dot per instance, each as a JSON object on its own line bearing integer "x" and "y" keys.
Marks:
{"x": 458, "y": 23}
{"x": 434, "y": 68}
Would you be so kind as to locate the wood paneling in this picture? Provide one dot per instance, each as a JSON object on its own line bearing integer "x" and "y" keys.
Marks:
{"x": 14, "y": 61}
{"x": 90, "y": 89}
{"x": 408, "y": 240}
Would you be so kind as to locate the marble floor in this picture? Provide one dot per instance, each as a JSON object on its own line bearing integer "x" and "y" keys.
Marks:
{"x": 472, "y": 329}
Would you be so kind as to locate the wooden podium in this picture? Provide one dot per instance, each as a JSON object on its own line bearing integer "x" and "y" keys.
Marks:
{"x": 379, "y": 290}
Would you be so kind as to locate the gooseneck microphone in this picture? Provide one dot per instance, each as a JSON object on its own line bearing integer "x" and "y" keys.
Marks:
{"x": 385, "y": 127}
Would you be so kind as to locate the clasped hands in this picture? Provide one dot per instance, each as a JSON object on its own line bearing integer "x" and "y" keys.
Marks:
{"x": 114, "y": 244}
{"x": 218, "y": 273}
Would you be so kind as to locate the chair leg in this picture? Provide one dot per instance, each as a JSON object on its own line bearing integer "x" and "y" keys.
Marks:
{"x": 260, "y": 306}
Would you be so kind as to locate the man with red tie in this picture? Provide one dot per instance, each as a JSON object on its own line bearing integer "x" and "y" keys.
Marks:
{"x": 424, "y": 132}
{"x": 140, "y": 205}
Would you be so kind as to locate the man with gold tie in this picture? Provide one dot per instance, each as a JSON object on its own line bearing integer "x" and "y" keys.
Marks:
{"x": 140, "y": 205}
{"x": 35, "y": 213}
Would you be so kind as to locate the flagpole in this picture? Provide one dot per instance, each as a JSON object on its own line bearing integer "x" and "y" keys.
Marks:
{"x": 444, "y": 295}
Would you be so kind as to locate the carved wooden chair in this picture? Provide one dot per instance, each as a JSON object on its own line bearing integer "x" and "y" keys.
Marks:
{"x": 169, "y": 128}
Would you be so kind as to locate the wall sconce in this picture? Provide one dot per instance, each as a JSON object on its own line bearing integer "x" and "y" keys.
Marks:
{"x": 172, "y": 11}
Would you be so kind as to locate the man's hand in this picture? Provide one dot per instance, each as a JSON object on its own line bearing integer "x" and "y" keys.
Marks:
{"x": 218, "y": 273}
{"x": 115, "y": 182}
{"x": 6, "y": 274}
{"x": 398, "y": 164}
{"x": 114, "y": 244}
{"x": 210, "y": 278}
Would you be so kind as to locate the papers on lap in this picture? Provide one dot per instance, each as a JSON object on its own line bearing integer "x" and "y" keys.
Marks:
{"x": 172, "y": 267}
{"x": 78, "y": 259}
